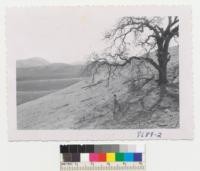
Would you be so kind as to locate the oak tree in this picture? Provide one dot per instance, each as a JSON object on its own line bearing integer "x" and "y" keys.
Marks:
{"x": 152, "y": 34}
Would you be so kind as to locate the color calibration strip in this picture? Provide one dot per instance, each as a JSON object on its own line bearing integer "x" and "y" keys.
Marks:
{"x": 100, "y": 153}
{"x": 102, "y": 157}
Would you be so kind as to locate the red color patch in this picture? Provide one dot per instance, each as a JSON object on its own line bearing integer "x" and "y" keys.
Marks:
{"x": 102, "y": 157}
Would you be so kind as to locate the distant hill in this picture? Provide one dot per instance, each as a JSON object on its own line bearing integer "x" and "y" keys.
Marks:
{"x": 50, "y": 71}
{"x": 31, "y": 62}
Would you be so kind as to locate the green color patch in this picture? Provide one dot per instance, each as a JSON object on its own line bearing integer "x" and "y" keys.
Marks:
{"x": 119, "y": 156}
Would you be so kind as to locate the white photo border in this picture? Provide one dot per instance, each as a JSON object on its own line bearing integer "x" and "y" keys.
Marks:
{"x": 185, "y": 131}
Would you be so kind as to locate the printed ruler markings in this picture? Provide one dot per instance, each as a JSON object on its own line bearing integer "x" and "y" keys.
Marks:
{"x": 98, "y": 167}
{"x": 106, "y": 168}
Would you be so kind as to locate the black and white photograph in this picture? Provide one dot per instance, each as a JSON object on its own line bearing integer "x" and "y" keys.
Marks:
{"x": 95, "y": 68}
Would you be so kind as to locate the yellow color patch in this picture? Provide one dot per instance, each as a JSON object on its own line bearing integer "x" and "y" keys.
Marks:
{"x": 110, "y": 157}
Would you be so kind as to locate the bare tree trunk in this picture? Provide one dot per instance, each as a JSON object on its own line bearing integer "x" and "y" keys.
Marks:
{"x": 163, "y": 75}
{"x": 162, "y": 60}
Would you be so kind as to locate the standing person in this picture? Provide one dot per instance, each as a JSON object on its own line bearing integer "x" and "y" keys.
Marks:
{"x": 116, "y": 107}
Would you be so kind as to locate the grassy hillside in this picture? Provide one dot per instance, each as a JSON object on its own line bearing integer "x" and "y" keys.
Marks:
{"x": 25, "y": 96}
{"x": 87, "y": 105}
{"x": 32, "y": 89}
{"x": 45, "y": 78}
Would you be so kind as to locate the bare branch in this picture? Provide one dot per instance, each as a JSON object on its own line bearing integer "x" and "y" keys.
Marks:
{"x": 150, "y": 34}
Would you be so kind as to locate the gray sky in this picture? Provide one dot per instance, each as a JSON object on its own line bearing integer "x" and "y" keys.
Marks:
{"x": 57, "y": 34}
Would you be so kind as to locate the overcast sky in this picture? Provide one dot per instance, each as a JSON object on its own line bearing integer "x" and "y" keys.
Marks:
{"x": 60, "y": 34}
{"x": 57, "y": 34}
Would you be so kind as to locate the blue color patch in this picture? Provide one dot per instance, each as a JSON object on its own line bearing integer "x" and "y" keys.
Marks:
{"x": 138, "y": 157}
{"x": 128, "y": 157}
